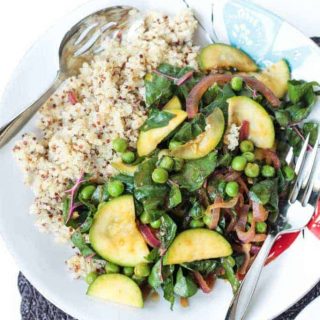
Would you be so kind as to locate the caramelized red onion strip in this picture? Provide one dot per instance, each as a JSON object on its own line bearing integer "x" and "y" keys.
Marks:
{"x": 245, "y": 248}
{"x": 202, "y": 282}
{"x": 245, "y": 236}
{"x": 260, "y": 214}
{"x": 149, "y": 236}
{"x": 195, "y": 95}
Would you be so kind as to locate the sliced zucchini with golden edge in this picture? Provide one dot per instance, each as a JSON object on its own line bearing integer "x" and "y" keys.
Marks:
{"x": 148, "y": 140}
{"x": 124, "y": 168}
{"x": 261, "y": 128}
{"x": 116, "y": 288}
{"x": 275, "y": 77}
{"x": 197, "y": 244}
{"x": 173, "y": 104}
{"x": 114, "y": 234}
{"x": 206, "y": 141}
{"x": 223, "y": 56}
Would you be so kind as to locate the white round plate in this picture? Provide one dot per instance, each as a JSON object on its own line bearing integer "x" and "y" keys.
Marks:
{"x": 267, "y": 38}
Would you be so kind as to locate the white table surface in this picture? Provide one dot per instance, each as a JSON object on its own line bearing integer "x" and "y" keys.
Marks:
{"x": 22, "y": 22}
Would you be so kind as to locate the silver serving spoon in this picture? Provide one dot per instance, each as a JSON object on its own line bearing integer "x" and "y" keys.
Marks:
{"x": 79, "y": 45}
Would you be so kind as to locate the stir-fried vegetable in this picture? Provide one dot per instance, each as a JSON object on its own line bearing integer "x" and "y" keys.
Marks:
{"x": 199, "y": 203}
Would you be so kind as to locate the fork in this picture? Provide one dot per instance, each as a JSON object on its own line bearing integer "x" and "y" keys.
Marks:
{"x": 78, "y": 45}
{"x": 296, "y": 211}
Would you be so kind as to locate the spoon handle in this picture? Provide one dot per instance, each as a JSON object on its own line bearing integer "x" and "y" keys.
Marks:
{"x": 9, "y": 130}
{"x": 242, "y": 298}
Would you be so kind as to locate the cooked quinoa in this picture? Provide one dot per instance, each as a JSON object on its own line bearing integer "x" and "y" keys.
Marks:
{"x": 105, "y": 101}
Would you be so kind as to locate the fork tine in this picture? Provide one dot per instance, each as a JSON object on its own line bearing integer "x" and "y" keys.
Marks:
{"x": 313, "y": 173}
{"x": 299, "y": 171}
{"x": 83, "y": 32}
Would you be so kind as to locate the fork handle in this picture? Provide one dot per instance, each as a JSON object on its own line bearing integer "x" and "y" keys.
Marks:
{"x": 243, "y": 296}
{"x": 9, "y": 130}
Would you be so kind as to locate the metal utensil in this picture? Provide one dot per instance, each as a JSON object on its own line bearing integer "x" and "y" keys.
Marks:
{"x": 295, "y": 212}
{"x": 79, "y": 44}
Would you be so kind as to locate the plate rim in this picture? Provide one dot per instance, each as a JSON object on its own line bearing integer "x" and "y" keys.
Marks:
{"x": 9, "y": 244}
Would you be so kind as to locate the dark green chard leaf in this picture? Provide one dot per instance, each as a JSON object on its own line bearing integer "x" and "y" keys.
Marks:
{"x": 195, "y": 172}
{"x": 224, "y": 160}
{"x": 151, "y": 194}
{"x": 126, "y": 180}
{"x": 79, "y": 242}
{"x": 157, "y": 119}
{"x": 265, "y": 192}
{"x": 175, "y": 197}
{"x": 184, "y": 286}
{"x": 190, "y": 130}
{"x": 155, "y": 278}
{"x": 184, "y": 89}
{"x": 65, "y": 208}
{"x": 283, "y": 117}
{"x": 172, "y": 70}
{"x": 158, "y": 91}
{"x": 312, "y": 128}
{"x": 230, "y": 275}
{"x": 294, "y": 135}
{"x": 167, "y": 232}
{"x": 159, "y": 273}
{"x": 211, "y": 94}
{"x": 220, "y": 101}
{"x": 100, "y": 195}
{"x": 153, "y": 255}
{"x": 204, "y": 266}
{"x": 168, "y": 290}
{"x": 85, "y": 227}
{"x": 298, "y": 89}
{"x": 91, "y": 207}
{"x": 196, "y": 211}
{"x": 302, "y": 99}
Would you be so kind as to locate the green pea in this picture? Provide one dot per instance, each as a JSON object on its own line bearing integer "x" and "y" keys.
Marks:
{"x": 128, "y": 157}
{"x": 145, "y": 217}
{"x": 119, "y": 145}
{"x": 115, "y": 188}
{"x": 236, "y": 83}
{"x": 232, "y": 189}
{"x": 174, "y": 144}
{"x": 246, "y": 146}
{"x": 268, "y": 171}
{"x": 261, "y": 227}
{"x": 289, "y": 173}
{"x": 142, "y": 270}
{"x": 111, "y": 267}
{"x": 252, "y": 170}
{"x": 196, "y": 223}
{"x": 128, "y": 271}
{"x": 156, "y": 224}
{"x": 249, "y": 156}
{"x": 239, "y": 163}
{"x": 207, "y": 219}
{"x": 178, "y": 164}
{"x": 167, "y": 163}
{"x": 87, "y": 192}
{"x": 250, "y": 217}
{"x": 231, "y": 261}
{"x": 160, "y": 175}
{"x": 90, "y": 277}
